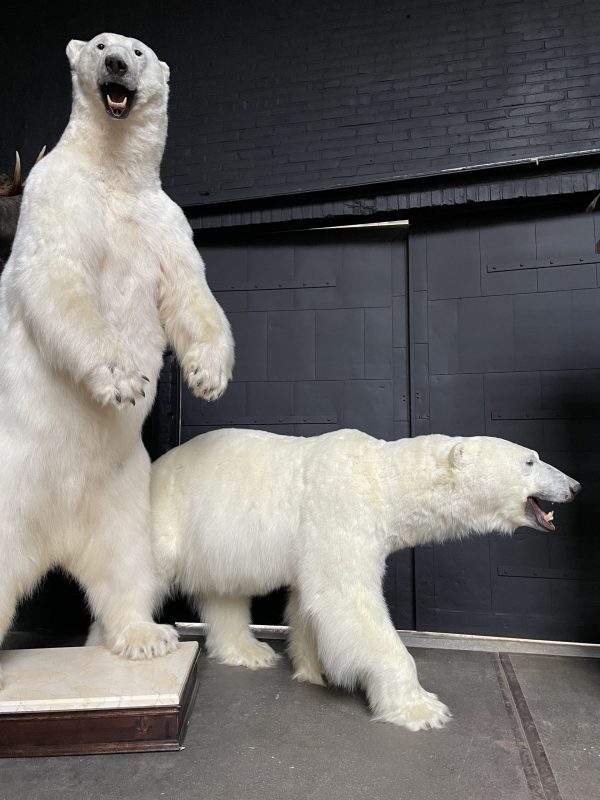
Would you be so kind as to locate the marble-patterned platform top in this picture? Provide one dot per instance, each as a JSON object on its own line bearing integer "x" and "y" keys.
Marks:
{"x": 84, "y": 678}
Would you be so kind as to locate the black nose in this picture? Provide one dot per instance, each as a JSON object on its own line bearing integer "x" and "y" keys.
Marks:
{"x": 115, "y": 66}
{"x": 575, "y": 488}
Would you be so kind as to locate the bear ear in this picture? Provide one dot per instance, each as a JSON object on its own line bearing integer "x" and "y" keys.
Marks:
{"x": 166, "y": 70}
{"x": 74, "y": 49}
{"x": 457, "y": 455}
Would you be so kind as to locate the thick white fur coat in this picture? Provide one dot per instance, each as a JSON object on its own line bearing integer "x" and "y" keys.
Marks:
{"x": 238, "y": 513}
{"x": 103, "y": 273}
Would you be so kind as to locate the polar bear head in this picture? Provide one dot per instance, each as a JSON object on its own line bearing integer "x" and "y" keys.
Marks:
{"x": 506, "y": 483}
{"x": 115, "y": 75}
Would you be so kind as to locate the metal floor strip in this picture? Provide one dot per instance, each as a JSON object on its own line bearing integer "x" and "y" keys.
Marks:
{"x": 532, "y": 777}
{"x": 536, "y": 765}
{"x": 442, "y": 641}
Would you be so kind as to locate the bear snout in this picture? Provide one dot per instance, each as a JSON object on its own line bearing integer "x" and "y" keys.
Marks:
{"x": 115, "y": 65}
{"x": 570, "y": 491}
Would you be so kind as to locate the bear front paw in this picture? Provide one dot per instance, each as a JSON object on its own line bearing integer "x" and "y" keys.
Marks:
{"x": 420, "y": 710}
{"x": 207, "y": 368}
{"x": 117, "y": 384}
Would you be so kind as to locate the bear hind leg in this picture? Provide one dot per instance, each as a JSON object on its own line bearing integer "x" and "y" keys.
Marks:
{"x": 20, "y": 573}
{"x": 302, "y": 645}
{"x": 116, "y": 569}
{"x": 123, "y": 608}
{"x": 96, "y": 636}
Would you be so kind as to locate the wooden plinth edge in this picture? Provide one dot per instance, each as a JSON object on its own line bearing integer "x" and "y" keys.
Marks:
{"x": 91, "y": 732}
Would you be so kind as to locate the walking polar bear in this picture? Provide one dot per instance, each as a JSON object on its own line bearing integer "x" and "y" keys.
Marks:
{"x": 103, "y": 273}
{"x": 237, "y": 513}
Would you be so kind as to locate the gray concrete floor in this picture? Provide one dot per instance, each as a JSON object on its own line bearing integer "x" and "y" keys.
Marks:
{"x": 524, "y": 728}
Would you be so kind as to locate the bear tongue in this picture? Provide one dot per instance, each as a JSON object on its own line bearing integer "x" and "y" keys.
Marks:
{"x": 543, "y": 519}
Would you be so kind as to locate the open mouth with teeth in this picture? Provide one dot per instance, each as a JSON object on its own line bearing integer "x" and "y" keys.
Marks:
{"x": 117, "y": 99}
{"x": 544, "y": 519}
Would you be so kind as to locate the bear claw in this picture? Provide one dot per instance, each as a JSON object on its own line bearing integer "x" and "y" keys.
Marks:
{"x": 124, "y": 384}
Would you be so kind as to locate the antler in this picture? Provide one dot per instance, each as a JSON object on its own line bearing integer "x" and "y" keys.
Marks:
{"x": 16, "y": 184}
{"x": 593, "y": 204}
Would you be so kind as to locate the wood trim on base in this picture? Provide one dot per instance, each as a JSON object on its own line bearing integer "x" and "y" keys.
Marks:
{"x": 91, "y": 732}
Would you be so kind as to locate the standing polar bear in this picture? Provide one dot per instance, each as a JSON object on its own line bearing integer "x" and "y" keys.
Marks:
{"x": 239, "y": 513}
{"x": 103, "y": 273}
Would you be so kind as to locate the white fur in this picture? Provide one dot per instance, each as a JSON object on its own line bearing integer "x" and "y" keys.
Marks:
{"x": 239, "y": 513}
{"x": 102, "y": 274}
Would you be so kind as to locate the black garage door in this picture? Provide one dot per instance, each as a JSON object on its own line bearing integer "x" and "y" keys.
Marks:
{"x": 509, "y": 316}
{"x": 319, "y": 319}
{"x": 498, "y": 334}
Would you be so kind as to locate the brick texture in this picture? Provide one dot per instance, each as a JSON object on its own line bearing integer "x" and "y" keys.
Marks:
{"x": 278, "y": 97}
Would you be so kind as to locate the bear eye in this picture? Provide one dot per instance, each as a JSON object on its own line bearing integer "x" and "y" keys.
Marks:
{"x": 100, "y": 46}
{"x": 530, "y": 462}
{"x": 138, "y": 52}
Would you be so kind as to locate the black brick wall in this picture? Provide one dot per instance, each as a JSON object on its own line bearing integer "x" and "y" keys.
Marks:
{"x": 278, "y": 97}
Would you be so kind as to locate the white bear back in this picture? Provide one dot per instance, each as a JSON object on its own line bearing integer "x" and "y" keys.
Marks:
{"x": 226, "y": 511}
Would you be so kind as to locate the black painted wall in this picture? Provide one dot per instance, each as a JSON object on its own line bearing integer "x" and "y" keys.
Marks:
{"x": 277, "y": 97}
{"x": 506, "y": 330}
